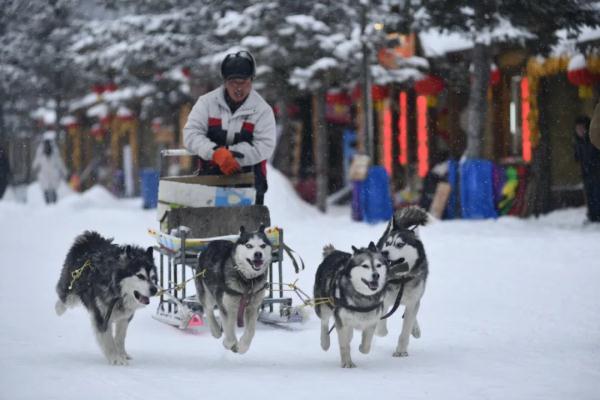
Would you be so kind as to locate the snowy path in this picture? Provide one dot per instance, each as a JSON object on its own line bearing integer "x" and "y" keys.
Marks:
{"x": 511, "y": 311}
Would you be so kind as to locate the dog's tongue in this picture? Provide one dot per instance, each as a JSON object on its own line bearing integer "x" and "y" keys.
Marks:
{"x": 141, "y": 298}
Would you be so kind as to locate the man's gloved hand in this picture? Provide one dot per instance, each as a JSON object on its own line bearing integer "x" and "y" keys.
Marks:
{"x": 225, "y": 160}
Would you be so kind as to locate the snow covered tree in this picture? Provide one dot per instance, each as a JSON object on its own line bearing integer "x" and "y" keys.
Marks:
{"x": 489, "y": 22}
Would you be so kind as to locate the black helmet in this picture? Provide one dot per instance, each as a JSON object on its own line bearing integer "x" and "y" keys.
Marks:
{"x": 238, "y": 65}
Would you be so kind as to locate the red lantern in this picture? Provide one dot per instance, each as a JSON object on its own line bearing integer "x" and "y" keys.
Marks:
{"x": 430, "y": 85}
{"x": 111, "y": 87}
{"x": 581, "y": 77}
{"x": 494, "y": 75}
{"x": 337, "y": 107}
{"x": 98, "y": 88}
{"x": 379, "y": 92}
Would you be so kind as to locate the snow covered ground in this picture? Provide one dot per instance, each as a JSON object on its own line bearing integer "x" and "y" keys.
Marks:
{"x": 511, "y": 311}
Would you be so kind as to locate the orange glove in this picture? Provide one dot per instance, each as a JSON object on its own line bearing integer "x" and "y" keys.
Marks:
{"x": 225, "y": 160}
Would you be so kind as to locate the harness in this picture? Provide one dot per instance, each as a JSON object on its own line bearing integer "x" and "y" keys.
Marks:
{"x": 244, "y": 296}
{"x": 402, "y": 281}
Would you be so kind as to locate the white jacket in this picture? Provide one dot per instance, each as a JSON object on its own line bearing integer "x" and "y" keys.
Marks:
{"x": 254, "y": 115}
{"x": 50, "y": 170}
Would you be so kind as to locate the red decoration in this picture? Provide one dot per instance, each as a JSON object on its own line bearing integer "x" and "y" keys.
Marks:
{"x": 494, "y": 75}
{"x": 337, "y": 107}
{"x": 97, "y": 132}
{"x": 98, "y": 88}
{"x": 186, "y": 72}
{"x": 581, "y": 77}
{"x": 430, "y": 85}
{"x": 111, "y": 87}
{"x": 379, "y": 93}
{"x": 105, "y": 121}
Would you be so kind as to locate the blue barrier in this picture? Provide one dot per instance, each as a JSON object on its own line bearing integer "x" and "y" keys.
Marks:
{"x": 476, "y": 189}
{"x": 376, "y": 199}
{"x": 452, "y": 208}
{"x": 149, "y": 187}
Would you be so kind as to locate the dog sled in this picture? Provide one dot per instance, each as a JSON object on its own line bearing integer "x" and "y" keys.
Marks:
{"x": 194, "y": 210}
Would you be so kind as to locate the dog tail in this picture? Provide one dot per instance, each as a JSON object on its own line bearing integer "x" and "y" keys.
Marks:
{"x": 410, "y": 217}
{"x": 327, "y": 250}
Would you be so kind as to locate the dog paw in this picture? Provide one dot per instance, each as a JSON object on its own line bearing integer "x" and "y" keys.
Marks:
{"x": 117, "y": 359}
{"x": 381, "y": 331}
{"x": 325, "y": 342}
{"x": 242, "y": 347}
{"x": 216, "y": 332}
{"x": 400, "y": 354}
{"x": 348, "y": 364}
{"x": 215, "y": 328}
{"x": 365, "y": 349}
{"x": 231, "y": 345}
{"x": 416, "y": 331}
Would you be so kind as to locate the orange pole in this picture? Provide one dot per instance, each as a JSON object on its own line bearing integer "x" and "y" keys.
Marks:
{"x": 422, "y": 143}
{"x": 402, "y": 135}
{"x": 526, "y": 132}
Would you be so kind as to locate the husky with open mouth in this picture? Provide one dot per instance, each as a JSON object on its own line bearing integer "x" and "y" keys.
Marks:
{"x": 353, "y": 286}
{"x": 409, "y": 269}
{"x": 112, "y": 282}
{"x": 234, "y": 282}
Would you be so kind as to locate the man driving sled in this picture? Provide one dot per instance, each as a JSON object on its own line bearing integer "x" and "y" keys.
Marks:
{"x": 232, "y": 128}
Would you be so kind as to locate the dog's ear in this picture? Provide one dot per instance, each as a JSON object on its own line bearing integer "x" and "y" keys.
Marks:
{"x": 372, "y": 247}
{"x": 242, "y": 230}
{"x": 149, "y": 252}
{"x": 355, "y": 250}
{"x": 128, "y": 251}
{"x": 261, "y": 228}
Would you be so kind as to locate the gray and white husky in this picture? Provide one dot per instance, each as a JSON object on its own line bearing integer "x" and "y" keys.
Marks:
{"x": 113, "y": 282}
{"x": 405, "y": 252}
{"x": 355, "y": 285}
{"x": 234, "y": 282}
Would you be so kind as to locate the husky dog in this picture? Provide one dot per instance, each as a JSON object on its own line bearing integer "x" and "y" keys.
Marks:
{"x": 355, "y": 286}
{"x": 234, "y": 282}
{"x": 112, "y": 282}
{"x": 405, "y": 253}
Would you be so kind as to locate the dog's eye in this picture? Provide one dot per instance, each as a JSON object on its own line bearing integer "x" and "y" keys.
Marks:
{"x": 378, "y": 266}
{"x": 248, "y": 246}
{"x": 142, "y": 277}
{"x": 400, "y": 245}
{"x": 367, "y": 266}
{"x": 262, "y": 246}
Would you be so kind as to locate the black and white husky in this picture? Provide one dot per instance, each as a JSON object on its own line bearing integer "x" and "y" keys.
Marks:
{"x": 112, "y": 282}
{"x": 355, "y": 286}
{"x": 234, "y": 282}
{"x": 405, "y": 252}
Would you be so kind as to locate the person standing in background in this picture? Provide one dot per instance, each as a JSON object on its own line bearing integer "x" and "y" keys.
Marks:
{"x": 595, "y": 127}
{"x": 49, "y": 167}
{"x": 589, "y": 158}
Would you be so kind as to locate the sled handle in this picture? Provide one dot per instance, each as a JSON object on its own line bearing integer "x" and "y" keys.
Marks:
{"x": 175, "y": 152}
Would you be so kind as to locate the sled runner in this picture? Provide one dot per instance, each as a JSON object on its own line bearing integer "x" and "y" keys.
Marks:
{"x": 195, "y": 210}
